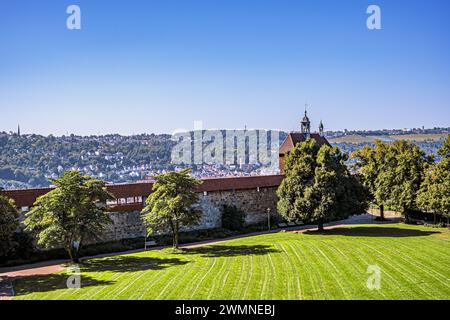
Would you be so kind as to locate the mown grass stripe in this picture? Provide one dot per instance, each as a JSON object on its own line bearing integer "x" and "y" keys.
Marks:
{"x": 414, "y": 261}
{"x": 296, "y": 275}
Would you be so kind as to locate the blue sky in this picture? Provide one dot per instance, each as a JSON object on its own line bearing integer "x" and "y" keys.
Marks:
{"x": 159, "y": 65}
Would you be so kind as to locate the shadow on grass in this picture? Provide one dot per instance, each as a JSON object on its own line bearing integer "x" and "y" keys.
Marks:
{"x": 129, "y": 264}
{"x": 373, "y": 232}
{"x": 52, "y": 282}
{"x": 230, "y": 251}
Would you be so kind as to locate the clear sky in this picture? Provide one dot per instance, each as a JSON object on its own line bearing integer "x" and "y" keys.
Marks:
{"x": 159, "y": 65}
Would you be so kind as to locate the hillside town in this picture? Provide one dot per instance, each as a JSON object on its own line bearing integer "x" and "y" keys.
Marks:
{"x": 30, "y": 160}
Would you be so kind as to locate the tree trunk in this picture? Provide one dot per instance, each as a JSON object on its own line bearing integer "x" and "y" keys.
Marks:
{"x": 76, "y": 259}
{"x": 77, "y": 251}
{"x": 406, "y": 215}
{"x": 382, "y": 212}
{"x": 175, "y": 236}
{"x": 69, "y": 251}
{"x": 434, "y": 214}
{"x": 320, "y": 225}
{"x": 73, "y": 254}
{"x": 172, "y": 227}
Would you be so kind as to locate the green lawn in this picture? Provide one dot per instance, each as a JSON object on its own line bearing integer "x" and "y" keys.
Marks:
{"x": 414, "y": 263}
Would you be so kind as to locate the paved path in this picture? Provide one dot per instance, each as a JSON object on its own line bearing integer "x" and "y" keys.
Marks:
{"x": 8, "y": 275}
{"x": 40, "y": 268}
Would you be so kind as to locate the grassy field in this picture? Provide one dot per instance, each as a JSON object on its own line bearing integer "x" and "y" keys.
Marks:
{"x": 414, "y": 263}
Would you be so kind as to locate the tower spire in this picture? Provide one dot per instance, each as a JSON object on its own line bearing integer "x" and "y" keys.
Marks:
{"x": 321, "y": 128}
{"x": 18, "y": 130}
{"x": 305, "y": 123}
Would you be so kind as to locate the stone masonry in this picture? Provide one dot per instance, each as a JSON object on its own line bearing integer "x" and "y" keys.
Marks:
{"x": 253, "y": 202}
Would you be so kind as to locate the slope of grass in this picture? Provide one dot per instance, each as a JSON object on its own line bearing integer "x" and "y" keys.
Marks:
{"x": 414, "y": 263}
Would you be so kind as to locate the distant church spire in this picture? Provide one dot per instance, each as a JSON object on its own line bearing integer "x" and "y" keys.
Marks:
{"x": 18, "y": 130}
{"x": 321, "y": 128}
{"x": 305, "y": 123}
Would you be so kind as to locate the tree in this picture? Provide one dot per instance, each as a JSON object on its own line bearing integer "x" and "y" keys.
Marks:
{"x": 369, "y": 165}
{"x": 401, "y": 177}
{"x": 444, "y": 151}
{"x": 393, "y": 173}
{"x": 70, "y": 214}
{"x": 434, "y": 194}
{"x": 318, "y": 186}
{"x": 171, "y": 206}
{"x": 8, "y": 225}
{"x": 300, "y": 165}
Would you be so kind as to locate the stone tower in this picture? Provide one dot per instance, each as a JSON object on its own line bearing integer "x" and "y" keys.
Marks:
{"x": 306, "y": 125}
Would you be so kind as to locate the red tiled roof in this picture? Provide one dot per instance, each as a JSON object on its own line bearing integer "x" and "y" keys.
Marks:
{"x": 27, "y": 197}
{"x": 128, "y": 190}
{"x": 295, "y": 137}
{"x": 239, "y": 183}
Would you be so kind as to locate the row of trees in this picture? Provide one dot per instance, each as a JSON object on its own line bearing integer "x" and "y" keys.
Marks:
{"x": 318, "y": 186}
{"x": 74, "y": 212}
{"x": 402, "y": 177}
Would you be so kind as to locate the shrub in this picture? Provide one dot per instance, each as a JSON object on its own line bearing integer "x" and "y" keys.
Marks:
{"x": 24, "y": 245}
{"x": 232, "y": 218}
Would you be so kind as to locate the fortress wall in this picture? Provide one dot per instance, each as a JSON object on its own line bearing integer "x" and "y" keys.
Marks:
{"x": 253, "y": 202}
{"x": 252, "y": 194}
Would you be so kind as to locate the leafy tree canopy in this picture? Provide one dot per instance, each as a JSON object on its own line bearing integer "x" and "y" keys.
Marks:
{"x": 434, "y": 194}
{"x": 393, "y": 173}
{"x": 172, "y": 205}
{"x": 445, "y": 150}
{"x": 72, "y": 213}
{"x": 318, "y": 186}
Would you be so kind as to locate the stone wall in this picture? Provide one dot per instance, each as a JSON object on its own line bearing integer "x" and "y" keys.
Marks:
{"x": 253, "y": 202}
{"x": 125, "y": 225}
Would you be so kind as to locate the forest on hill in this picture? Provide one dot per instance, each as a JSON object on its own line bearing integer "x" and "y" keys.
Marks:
{"x": 29, "y": 161}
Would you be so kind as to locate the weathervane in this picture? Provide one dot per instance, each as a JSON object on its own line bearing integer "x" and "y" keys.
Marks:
{"x": 306, "y": 107}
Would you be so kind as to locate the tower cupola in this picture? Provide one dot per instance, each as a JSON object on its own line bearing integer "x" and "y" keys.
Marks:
{"x": 306, "y": 124}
